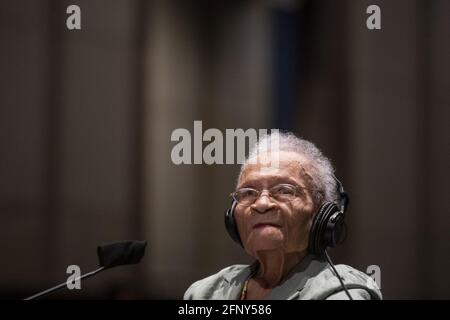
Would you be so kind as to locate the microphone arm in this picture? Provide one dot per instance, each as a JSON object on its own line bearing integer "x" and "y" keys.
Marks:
{"x": 63, "y": 285}
{"x": 109, "y": 256}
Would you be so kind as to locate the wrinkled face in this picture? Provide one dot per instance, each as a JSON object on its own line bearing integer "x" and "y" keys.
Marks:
{"x": 268, "y": 224}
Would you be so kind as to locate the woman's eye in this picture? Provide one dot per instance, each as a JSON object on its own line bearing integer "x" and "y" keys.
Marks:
{"x": 248, "y": 193}
{"x": 284, "y": 190}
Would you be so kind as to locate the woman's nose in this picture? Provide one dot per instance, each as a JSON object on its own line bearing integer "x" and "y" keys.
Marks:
{"x": 264, "y": 203}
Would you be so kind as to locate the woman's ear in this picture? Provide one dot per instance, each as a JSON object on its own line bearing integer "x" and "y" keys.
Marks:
{"x": 318, "y": 200}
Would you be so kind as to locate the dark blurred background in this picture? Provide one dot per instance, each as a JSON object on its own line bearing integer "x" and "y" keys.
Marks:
{"x": 86, "y": 118}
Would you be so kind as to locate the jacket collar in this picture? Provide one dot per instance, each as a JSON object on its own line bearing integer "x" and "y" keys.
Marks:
{"x": 290, "y": 288}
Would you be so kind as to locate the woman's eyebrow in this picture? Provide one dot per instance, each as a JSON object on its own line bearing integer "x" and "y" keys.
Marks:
{"x": 249, "y": 184}
{"x": 285, "y": 179}
{"x": 275, "y": 180}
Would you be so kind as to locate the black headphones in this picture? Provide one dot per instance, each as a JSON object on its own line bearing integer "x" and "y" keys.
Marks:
{"x": 326, "y": 230}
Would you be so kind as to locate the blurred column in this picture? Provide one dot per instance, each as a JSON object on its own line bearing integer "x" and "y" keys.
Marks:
{"x": 97, "y": 138}
{"x": 204, "y": 62}
{"x": 384, "y": 144}
{"x": 24, "y": 104}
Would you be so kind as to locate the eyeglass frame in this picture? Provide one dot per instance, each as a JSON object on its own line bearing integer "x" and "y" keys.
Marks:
{"x": 296, "y": 188}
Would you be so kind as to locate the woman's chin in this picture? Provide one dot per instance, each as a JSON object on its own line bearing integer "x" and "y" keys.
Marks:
{"x": 261, "y": 241}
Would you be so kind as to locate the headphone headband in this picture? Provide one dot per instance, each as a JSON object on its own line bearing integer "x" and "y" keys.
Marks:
{"x": 343, "y": 196}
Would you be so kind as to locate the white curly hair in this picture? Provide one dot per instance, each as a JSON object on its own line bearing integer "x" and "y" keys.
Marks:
{"x": 317, "y": 166}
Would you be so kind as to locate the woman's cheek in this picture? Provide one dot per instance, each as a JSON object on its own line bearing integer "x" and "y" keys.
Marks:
{"x": 242, "y": 226}
{"x": 298, "y": 231}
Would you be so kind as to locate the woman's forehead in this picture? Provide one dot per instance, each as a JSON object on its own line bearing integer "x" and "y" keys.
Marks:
{"x": 274, "y": 157}
{"x": 287, "y": 171}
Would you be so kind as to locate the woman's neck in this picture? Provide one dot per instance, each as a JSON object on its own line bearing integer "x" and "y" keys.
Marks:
{"x": 274, "y": 266}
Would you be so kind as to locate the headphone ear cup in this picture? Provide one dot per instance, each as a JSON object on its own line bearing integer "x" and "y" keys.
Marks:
{"x": 231, "y": 225}
{"x": 334, "y": 230}
{"x": 326, "y": 228}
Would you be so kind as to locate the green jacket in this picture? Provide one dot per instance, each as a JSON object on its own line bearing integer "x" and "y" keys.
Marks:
{"x": 310, "y": 279}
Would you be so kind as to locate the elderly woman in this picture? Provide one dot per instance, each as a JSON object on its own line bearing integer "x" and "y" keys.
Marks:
{"x": 287, "y": 209}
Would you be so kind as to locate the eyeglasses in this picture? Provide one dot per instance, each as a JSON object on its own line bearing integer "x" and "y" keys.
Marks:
{"x": 281, "y": 192}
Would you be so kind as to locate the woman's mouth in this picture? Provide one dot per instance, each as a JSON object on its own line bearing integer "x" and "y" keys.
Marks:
{"x": 265, "y": 224}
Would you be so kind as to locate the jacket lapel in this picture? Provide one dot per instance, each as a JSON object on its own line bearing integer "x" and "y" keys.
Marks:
{"x": 233, "y": 282}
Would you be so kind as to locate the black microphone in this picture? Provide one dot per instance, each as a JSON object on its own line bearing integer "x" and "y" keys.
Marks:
{"x": 109, "y": 255}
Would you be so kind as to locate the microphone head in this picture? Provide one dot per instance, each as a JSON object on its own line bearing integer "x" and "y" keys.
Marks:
{"x": 121, "y": 253}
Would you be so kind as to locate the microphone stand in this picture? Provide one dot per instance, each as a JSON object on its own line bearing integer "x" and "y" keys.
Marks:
{"x": 109, "y": 255}
{"x": 64, "y": 284}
